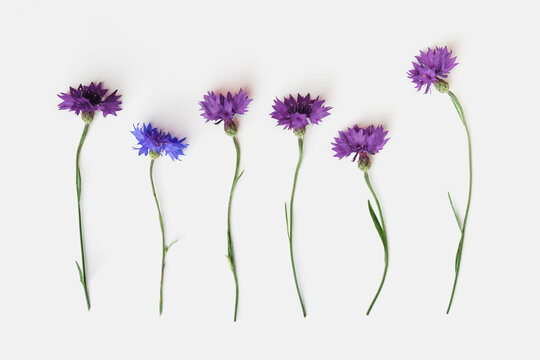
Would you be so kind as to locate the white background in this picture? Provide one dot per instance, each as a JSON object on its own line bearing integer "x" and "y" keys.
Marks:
{"x": 163, "y": 56}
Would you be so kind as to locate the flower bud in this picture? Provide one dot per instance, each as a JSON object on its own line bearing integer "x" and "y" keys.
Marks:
{"x": 442, "y": 86}
{"x": 363, "y": 162}
{"x": 87, "y": 116}
{"x": 300, "y": 133}
{"x": 232, "y": 129}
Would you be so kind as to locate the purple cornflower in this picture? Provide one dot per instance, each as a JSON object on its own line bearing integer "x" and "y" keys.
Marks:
{"x": 294, "y": 113}
{"x": 157, "y": 142}
{"x": 218, "y": 107}
{"x": 86, "y": 100}
{"x": 360, "y": 142}
{"x": 432, "y": 67}
{"x": 89, "y": 99}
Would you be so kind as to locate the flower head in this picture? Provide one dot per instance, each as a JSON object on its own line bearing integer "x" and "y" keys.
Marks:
{"x": 294, "y": 113}
{"x": 432, "y": 67}
{"x": 91, "y": 98}
{"x": 218, "y": 107}
{"x": 157, "y": 142}
{"x": 360, "y": 142}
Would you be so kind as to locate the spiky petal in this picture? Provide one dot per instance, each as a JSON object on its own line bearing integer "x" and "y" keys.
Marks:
{"x": 90, "y": 98}
{"x": 431, "y": 67}
{"x": 297, "y": 113}
{"x": 359, "y": 141}
{"x": 156, "y": 141}
{"x": 219, "y": 107}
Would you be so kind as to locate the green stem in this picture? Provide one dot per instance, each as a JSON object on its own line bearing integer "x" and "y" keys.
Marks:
{"x": 164, "y": 247}
{"x": 289, "y": 221}
{"x": 461, "y": 114}
{"x": 383, "y": 239}
{"x": 230, "y": 255}
{"x": 366, "y": 177}
{"x": 82, "y": 272}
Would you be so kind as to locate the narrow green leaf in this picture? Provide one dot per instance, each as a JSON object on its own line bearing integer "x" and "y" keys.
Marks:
{"x": 78, "y": 182}
{"x": 287, "y": 221}
{"x": 230, "y": 262}
{"x": 376, "y": 223}
{"x": 81, "y": 278}
{"x": 167, "y": 248}
{"x": 458, "y": 107}
{"x": 455, "y": 212}
{"x": 238, "y": 178}
{"x": 458, "y": 255}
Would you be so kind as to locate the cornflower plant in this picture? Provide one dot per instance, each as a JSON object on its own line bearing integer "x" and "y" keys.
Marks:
{"x": 155, "y": 142}
{"x": 296, "y": 114}
{"x": 432, "y": 68}
{"x": 87, "y": 100}
{"x": 363, "y": 142}
{"x": 219, "y": 108}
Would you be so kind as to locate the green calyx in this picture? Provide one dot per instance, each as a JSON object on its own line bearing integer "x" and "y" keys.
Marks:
{"x": 442, "y": 86}
{"x": 231, "y": 130}
{"x": 87, "y": 116}
{"x": 154, "y": 155}
{"x": 300, "y": 133}
{"x": 364, "y": 163}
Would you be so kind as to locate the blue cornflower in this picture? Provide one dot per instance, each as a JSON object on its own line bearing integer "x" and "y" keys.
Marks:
{"x": 156, "y": 142}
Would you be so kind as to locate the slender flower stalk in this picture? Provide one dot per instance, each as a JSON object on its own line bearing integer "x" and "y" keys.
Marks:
{"x": 82, "y": 271}
{"x": 164, "y": 246}
{"x": 230, "y": 250}
{"x": 297, "y": 114}
{"x": 381, "y": 230}
{"x": 289, "y": 221}
{"x": 155, "y": 142}
{"x": 363, "y": 142}
{"x": 431, "y": 68}
{"x": 462, "y": 226}
{"x": 219, "y": 108}
{"x": 87, "y": 100}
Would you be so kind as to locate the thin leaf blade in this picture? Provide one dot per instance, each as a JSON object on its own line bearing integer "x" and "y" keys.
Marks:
{"x": 287, "y": 221}
{"x": 458, "y": 255}
{"x": 376, "y": 223}
{"x": 238, "y": 178}
{"x": 81, "y": 277}
{"x": 455, "y": 212}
